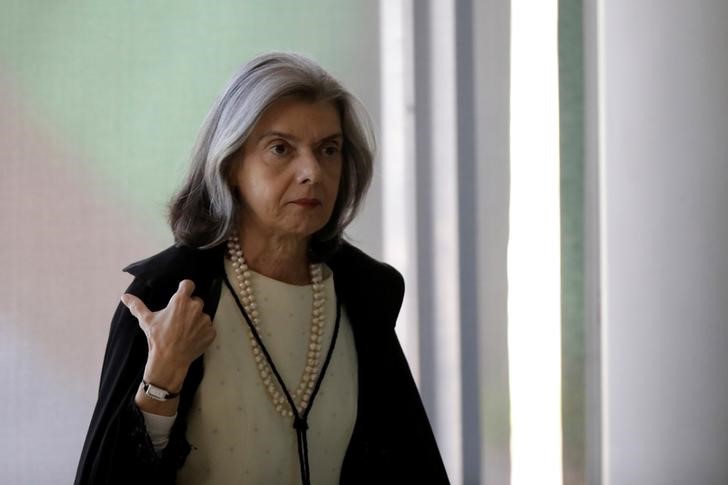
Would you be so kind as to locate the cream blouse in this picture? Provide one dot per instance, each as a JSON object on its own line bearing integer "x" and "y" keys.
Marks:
{"x": 236, "y": 435}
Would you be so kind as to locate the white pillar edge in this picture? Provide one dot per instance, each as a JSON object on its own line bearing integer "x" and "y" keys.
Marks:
{"x": 444, "y": 176}
{"x": 603, "y": 275}
{"x": 398, "y": 165}
{"x": 534, "y": 248}
{"x": 593, "y": 217}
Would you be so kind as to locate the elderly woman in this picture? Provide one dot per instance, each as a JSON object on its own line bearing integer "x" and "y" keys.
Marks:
{"x": 260, "y": 348}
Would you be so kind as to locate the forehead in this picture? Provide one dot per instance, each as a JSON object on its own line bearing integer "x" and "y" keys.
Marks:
{"x": 299, "y": 117}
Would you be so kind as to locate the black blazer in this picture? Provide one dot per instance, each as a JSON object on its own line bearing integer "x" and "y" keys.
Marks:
{"x": 392, "y": 441}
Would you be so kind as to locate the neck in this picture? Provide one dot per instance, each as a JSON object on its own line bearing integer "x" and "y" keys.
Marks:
{"x": 281, "y": 258}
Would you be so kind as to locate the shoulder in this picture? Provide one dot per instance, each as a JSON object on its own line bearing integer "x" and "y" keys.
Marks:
{"x": 177, "y": 263}
{"x": 361, "y": 280}
{"x": 350, "y": 262}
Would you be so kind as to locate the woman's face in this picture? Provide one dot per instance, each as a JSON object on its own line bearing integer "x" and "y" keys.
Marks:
{"x": 287, "y": 172}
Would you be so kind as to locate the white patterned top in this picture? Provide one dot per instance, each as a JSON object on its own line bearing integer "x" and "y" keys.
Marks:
{"x": 236, "y": 435}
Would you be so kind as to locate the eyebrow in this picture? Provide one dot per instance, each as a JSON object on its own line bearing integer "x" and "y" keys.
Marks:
{"x": 288, "y": 136}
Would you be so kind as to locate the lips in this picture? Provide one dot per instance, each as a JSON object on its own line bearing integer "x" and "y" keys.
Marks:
{"x": 307, "y": 202}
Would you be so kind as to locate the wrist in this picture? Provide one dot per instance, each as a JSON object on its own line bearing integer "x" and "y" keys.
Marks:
{"x": 158, "y": 393}
{"x": 165, "y": 375}
{"x": 149, "y": 405}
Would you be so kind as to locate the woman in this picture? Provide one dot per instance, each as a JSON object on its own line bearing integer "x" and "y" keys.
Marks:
{"x": 304, "y": 379}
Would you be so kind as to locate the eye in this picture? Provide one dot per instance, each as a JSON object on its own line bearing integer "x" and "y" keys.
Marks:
{"x": 330, "y": 150}
{"x": 279, "y": 149}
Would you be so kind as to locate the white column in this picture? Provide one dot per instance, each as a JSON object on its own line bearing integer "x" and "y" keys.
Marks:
{"x": 664, "y": 237}
{"x": 534, "y": 273}
{"x": 443, "y": 147}
{"x": 398, "y": 164}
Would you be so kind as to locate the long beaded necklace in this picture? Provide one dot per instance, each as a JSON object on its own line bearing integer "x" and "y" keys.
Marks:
{"x": 311, "y": 378}
{"x": 302, "y": 393}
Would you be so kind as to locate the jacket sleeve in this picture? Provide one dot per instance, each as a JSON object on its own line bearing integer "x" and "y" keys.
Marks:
{"x": 418, "y": 457}
{"x": 394, "y": 440}
{"x": 117, "y": 448}
{"x": 412, "y": 450}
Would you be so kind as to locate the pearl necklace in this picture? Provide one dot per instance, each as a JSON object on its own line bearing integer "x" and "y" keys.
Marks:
{"x": 309, "y": 375}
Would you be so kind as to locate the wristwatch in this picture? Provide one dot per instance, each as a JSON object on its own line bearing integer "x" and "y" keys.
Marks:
{"x": 157, "y": 393}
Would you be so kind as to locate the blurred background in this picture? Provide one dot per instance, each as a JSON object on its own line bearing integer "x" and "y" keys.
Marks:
{"x": 552, "y": 181}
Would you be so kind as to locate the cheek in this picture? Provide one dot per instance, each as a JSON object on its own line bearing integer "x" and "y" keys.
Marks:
{"x": 258, "y": 197}
{"x": 262, "y": 197}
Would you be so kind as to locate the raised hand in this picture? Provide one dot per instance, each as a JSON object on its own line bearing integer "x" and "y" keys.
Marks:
{"x": 176, "y": 335}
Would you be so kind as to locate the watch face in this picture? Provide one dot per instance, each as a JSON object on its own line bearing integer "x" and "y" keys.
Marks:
{"x": 156, "y": 393}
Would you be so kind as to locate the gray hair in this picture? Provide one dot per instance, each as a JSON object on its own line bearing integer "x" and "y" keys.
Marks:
{"x": 206, "y": 210}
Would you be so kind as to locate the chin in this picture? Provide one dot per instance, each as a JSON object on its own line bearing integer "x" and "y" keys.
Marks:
{"x": 312, "y": 230}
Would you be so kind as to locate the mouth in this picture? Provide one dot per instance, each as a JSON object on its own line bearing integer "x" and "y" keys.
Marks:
{"x": 306, "y": 202}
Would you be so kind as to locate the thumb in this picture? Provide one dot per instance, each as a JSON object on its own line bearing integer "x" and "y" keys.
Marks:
{"x": 137, "y": 308}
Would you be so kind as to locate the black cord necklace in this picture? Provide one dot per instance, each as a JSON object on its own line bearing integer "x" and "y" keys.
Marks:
{"x": 300, "y": 421}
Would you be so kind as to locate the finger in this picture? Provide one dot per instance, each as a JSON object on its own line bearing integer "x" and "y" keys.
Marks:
{"x": 206, "y": 320}
{"x": 197, "y": 303}
{"x": 136, "y": 307}
{"x": 186, "y": 288}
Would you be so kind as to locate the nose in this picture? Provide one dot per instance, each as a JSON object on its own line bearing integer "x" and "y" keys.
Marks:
{"x": 308, "y": 168}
